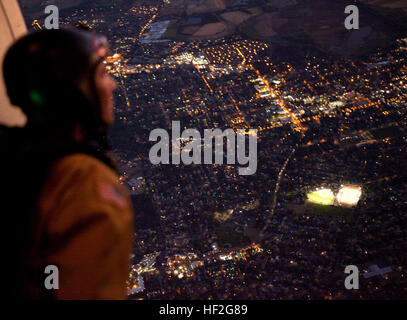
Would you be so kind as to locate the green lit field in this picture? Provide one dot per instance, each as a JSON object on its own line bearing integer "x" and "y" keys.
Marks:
{"x": 322, "y": 196}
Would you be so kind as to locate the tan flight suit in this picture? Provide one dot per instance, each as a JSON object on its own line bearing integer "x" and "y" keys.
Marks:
{"x": 85, "y": 228}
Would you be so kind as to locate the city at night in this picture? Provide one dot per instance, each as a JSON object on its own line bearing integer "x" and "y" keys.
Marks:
{"x": 312, "y": 202}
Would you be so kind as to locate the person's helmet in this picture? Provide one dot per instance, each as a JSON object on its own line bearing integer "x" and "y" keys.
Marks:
{"x": 50, "y": 74}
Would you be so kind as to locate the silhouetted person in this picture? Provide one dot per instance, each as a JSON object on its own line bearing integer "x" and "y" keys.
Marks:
{"x": 62, "y": 199}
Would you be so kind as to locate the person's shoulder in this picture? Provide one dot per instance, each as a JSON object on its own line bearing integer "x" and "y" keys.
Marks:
{"x": 87, "y": 175}
{"x": 81, "y": 164}
{"x": 83, "y": 183}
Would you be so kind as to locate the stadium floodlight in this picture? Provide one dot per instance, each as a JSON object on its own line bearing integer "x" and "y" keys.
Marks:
{"x": 322, "y": 196}
{"x": 349, "y": 196}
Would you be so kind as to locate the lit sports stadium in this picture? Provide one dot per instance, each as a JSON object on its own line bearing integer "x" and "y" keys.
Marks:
{"x": 349, "y": 196}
